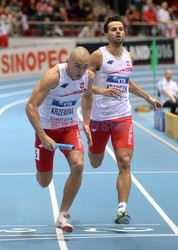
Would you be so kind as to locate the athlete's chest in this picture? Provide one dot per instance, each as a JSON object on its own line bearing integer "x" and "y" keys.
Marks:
{"x": 121, "y": 66}
{"x": 70, "y": 89}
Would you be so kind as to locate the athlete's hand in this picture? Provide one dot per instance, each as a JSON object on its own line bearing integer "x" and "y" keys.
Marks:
{"x": 155, "y": 103}
{"x": 48, "y": 143}
{"x": 86, "y": 129}
{"x": 112, "y": 91}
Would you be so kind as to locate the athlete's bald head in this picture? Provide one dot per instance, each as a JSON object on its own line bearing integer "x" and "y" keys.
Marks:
{"x": 79, "y": 54}
{"x": 78, "y": 62}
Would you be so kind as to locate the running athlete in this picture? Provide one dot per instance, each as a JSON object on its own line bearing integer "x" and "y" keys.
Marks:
{"x": 52, "y": 112}
{"x": 111, "y": 111}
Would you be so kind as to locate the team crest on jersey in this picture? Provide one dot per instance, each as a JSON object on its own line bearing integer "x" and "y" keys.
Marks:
{"x": 81, "y": 85}
{"x": 110, "y": 61}
{"x": 127, "y": 63}
{"x": 64, "y": 85}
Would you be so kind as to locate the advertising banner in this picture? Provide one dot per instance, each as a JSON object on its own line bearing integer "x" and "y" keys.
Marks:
{"x": 33, "y": 60}
{"x": 142, "y": 50}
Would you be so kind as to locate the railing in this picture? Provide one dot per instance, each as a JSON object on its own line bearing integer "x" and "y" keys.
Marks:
{"x": 92, "y": 29}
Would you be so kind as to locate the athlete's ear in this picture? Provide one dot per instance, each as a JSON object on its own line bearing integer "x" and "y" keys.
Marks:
{"x": 106, "y": 35}
{"x": 67, "y": 61}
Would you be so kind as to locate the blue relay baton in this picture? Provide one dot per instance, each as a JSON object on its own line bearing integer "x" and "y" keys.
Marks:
{"x": 64, "y": 146}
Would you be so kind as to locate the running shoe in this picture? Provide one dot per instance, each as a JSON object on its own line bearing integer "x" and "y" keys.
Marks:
{"x": 62, "y": 222}
{"x": 122, "y": 218}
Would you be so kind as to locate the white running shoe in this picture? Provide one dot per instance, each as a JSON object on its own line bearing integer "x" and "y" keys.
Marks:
{"x": 63, "y": 223}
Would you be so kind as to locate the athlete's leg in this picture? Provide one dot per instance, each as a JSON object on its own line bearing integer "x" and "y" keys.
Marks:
{"x": 75, "y": 160}
{"x": 123, "y": 144}
{"x": 44, "y": 164}
{"x": 75, "y": 157}
{"x": 123, "y": 184}
{"x": 100, "y": 136}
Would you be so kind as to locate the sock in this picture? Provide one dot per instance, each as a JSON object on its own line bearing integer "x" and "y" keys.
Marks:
{"x": 61, "y": 214}
{"x": 122, "y": 206}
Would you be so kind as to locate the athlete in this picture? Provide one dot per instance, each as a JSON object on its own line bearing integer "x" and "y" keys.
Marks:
{"x": 52, "y": 111}
{"x": 111, "y": 111}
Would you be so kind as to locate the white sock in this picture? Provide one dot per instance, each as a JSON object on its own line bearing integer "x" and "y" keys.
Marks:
{"x": 122, "y": 206}
{"x": 61, "y": 214}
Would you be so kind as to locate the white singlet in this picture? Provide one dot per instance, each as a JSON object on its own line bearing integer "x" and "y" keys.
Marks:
{"x": 59, "y": 108}
{"x": 114, "y": 72}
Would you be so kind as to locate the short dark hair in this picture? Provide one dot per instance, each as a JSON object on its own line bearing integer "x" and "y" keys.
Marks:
{"x": 109, "y": 20}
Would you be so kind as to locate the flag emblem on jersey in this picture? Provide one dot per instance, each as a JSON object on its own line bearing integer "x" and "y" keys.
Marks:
{"x": 127, "y": 63}
{"x": 110, "y": 61}
{"x": 82, "y": 85}
{"x": 64, "y": 85}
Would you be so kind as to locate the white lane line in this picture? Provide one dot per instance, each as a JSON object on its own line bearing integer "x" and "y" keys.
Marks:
{"x": 12, "y": 104}
{"x": 19, "y": 225}
{"x": 17, "y": 85}
{"x": 81, "y": 225}
{"x": 61, "y": 241}
{"x": 19, "y": 92}
{"x": 82, "y": 235}
{"x": 94, "y": 173}
{"x": 156, "y": 206}
{"x": 113, "y": 225}
{"x": 169, "y": 145}
{"x": 149, "y": 198}
{"x": 60, "y": 236}
{"x": 95, "y": 236}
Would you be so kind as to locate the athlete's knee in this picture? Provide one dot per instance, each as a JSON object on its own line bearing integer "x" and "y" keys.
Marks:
{"x": 95, "y": 164}
{"x": 77, "y": 167}
{"x": 124, "y": 163}
{"x": 43, "y": 181}
{"x": 95, "y": 159}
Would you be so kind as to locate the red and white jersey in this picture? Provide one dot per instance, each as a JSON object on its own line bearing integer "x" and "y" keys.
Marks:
{"x": 59, "y": 108}
{"x": 114, "y": 72}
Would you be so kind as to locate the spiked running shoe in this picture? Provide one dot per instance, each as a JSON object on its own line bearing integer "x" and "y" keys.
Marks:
{"x": 122, "y": 218}
{"x": 63, "y": 223}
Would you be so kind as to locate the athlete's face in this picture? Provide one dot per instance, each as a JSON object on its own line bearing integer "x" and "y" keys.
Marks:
{"x": 116, "y": 33}
{"x": 78, "y": 66}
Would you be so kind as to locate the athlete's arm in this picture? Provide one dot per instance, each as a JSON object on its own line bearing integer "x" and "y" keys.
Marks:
{"x": 112, "y": 91}
{"x": 86, "y": 105}
{"x": 96, "y": 60}
{"x": 134, "y": 89}
{"x": 49, "y": 80}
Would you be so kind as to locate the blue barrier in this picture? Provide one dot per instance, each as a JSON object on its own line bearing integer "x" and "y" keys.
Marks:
{"x": 160, "y": 120}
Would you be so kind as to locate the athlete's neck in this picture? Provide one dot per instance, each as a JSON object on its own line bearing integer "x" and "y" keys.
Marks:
{"x": 115, "y": 51}
{"x": 68, "y": 73}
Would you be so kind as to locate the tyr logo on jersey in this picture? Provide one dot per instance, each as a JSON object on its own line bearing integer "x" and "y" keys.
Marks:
{"x": 64, "y": 85}
{"x": 110, "y": 61}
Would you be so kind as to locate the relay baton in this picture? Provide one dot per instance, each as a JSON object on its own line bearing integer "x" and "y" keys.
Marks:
{"x": 64, "y": 146}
